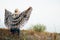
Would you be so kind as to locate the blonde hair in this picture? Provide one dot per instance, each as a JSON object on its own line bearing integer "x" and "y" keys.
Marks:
{"x": 16, "y": 10}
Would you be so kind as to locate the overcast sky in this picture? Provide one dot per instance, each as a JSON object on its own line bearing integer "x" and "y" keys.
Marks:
{"x": 45, "y": 12}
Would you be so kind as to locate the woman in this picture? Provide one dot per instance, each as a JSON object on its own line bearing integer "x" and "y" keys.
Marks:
{"x": 16, "y": 20}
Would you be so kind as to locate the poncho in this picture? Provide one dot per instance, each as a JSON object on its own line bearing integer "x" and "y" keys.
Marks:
{"x": 19, "y": 19}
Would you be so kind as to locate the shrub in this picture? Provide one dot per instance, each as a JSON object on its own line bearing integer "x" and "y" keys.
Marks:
{"x": 39, "y": 27}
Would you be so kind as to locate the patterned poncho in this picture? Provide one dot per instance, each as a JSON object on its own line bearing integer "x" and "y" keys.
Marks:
{"x": 16, "y": 20}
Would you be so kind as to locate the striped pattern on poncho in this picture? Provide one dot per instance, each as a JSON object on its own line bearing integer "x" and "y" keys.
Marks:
{"x": 17, "y": 20}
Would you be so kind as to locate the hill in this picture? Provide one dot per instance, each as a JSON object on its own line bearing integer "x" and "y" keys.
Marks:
{"x": 5, "y": 34}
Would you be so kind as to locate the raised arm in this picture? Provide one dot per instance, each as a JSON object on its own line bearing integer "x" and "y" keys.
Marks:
{"x": 7, "y": 13}
{"x": 25, "y": 16}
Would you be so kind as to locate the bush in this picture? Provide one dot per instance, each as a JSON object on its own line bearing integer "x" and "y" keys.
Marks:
{"x": 39, "y": 27}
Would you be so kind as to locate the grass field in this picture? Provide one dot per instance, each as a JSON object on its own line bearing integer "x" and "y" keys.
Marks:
{"x": 5, "y": 34}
